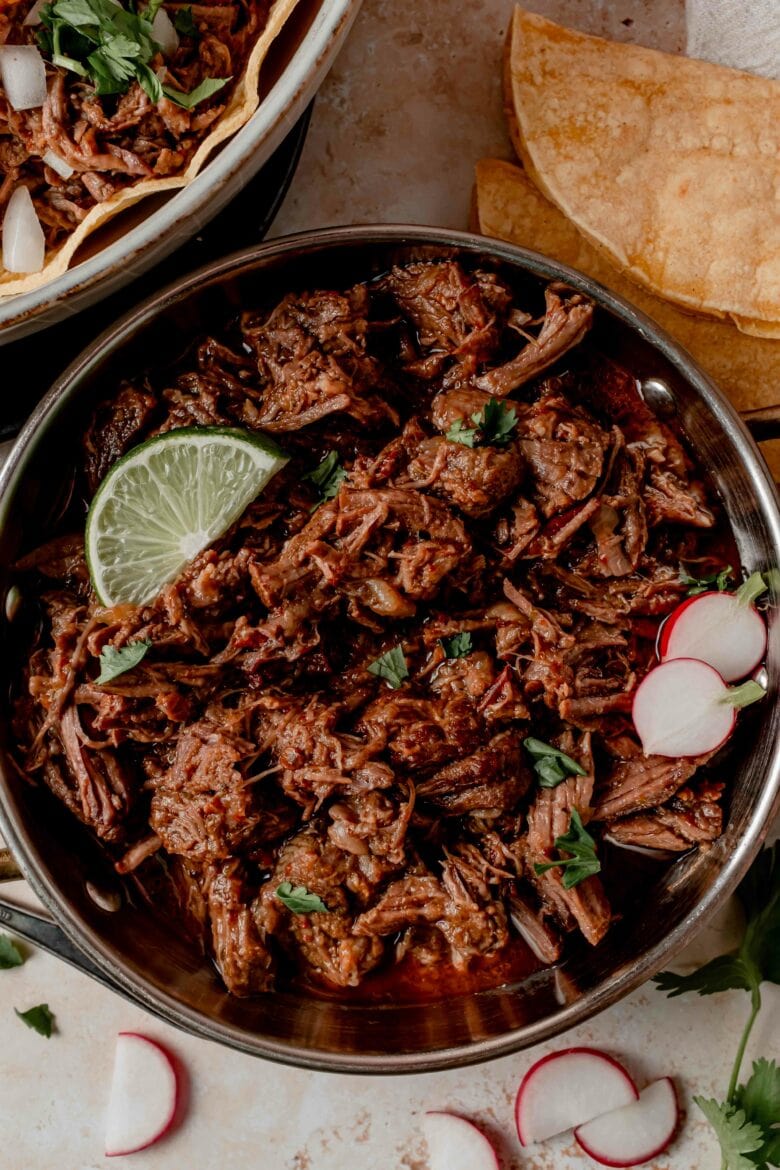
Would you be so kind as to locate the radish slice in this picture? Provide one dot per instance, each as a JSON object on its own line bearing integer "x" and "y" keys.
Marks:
{"x": 456, "y": 1144}
{"x": 144, "y": 1095}
{"x": 719, "y": 629}
{"x": 568, "y": 1088}
{"x": 23, "y": 74}
{"x": 684, "y": 708}
{"x": 637, "y": 1132}
{"x": 24, "y": 244}
{"x": 164, "y": 33}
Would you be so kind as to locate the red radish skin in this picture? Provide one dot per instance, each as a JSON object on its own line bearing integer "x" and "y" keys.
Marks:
{"x": 636, "y": 1133}
{"x": 568, "y": 1088}
{"x": 679, "y": 709}
{"x": 145, "y": 1095}
{"x": 456, "y": 1144}
{"x": 719, "y": 629}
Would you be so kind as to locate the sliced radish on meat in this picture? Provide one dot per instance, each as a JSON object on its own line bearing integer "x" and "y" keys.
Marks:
{"x": 684, "y": 708}
{"x": 568, "y": 1088}
{"x": 144, "y": 1095}
{"x": 721, "y": 629}
{"x": 637, "y": 1132}
{"x": 456, "y": 1144}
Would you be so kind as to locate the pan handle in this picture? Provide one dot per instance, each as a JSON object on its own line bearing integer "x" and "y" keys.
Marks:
{"x": 763, "y": 423}
{"x": 41, "y": 931}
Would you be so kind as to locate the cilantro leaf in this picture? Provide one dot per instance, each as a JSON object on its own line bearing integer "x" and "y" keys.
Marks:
{"x": 747, "y": 1124}
{"x": 582, "y": 861}
{"x": 114, "y": 662}
{"x": 758, "y": 956}
{"x": 391, "y": 666}
{"x": 184, "y": 23}
{"x": 327, "y": 476}
{"x": 39, "y": 1018}
{"x": 719, "y": 581}
{"x": 496, "y": 422}
{"x": 458, "y": 646}
{"x": 458, "y": 432}
{"x": 493, "y": 425}
{"x": 551, "y": 765}
{"x": 113, "y": 47}
{"x": 737, "y": 1136}
{"x": 207, "y": 88}
{"x": 10, "y": 955}
{"x": 725, "y": 973}
{"x": 760, "y": 1099}
{"x": 300, "y": 900}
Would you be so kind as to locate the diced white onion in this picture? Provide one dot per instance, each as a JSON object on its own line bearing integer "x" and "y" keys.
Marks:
{"x": 23, "y": 75}
{"x": 34, "y": 15}
{"x": 164, "y": 33}
{"x": 24, "y": 246}
{"x": 63, "y": 169}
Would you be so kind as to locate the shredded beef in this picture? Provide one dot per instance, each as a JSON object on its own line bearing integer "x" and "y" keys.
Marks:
{"x": 521, "y": 576}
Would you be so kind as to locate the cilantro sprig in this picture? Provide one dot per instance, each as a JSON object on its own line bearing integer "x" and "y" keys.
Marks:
{"x": 112, "y": 46}
{"x": 458, "y": 646}
{"x": 581, "y": 861}
{"x": 114, "y": 662}
{"x": 391, "y": 666}
{"x": 719, "y": 581}
{"x": 550, "y": 764}
{"x": 300, "y": 900}
{"x": 327, "y": 477}
{"x": 747, "y": 1122}
{"x": 493, "y": 426}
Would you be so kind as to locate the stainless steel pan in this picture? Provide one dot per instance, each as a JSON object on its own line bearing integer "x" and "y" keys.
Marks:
{"x": 129, "y": 949}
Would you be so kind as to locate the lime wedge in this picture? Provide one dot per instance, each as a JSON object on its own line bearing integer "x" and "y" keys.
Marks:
{"x": 167, "y": 500}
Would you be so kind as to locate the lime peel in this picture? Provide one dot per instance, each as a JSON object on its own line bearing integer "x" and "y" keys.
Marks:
{"x": 168, "y": 499}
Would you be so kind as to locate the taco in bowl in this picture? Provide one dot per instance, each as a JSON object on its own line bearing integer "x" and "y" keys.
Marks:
{"x": 103, "y": 103}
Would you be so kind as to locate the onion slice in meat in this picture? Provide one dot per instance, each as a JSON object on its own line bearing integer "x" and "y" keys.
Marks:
{"x": 23, "y": 75}
{"x": 63, "y": 169}
{"x": 24, "y": 246}
{"x": 164, "y": 32}
{"x": 34, "y": 15}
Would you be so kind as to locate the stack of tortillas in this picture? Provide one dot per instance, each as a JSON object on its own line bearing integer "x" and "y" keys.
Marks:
{"x": 659, "y": 176}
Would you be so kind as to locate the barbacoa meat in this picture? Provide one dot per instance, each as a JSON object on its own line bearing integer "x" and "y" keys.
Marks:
{"x": 521, "y": 574}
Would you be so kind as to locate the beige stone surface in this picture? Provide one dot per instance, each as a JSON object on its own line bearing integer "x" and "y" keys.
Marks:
{"x": 410, "y": 106}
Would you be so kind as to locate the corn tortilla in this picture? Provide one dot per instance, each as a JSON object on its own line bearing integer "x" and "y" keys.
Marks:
{"x": 508, "y": 206}
{"x": 669, "y": 164}
{"x": 243, "y": 102}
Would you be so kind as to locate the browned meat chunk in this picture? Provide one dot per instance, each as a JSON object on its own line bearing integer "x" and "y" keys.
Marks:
{"x": 240, "y": 951}
{"x": 568, "y": 317}
{"x": 491, "y": 780}
{"x": 549, "y": 818}
{"x": 311, "y": 354}
{"x": 641, "y": 782}
{"x": 115, "y": 429}
{"x": 202, "y": 807}
{"x": 476, "y": 480}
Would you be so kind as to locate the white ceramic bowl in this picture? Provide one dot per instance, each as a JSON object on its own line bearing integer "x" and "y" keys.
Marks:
{"x": 183, "y": 214}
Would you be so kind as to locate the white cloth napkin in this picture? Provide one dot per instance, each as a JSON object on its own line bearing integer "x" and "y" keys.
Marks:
{"x": 742, "y": 33}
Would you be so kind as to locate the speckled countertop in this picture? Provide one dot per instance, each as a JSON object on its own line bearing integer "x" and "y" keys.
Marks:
{"x": 409, "y": 107}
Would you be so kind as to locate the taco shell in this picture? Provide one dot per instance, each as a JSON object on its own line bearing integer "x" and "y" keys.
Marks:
{"x": 243, "y": 102}
{"x": 668, "y": 164}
